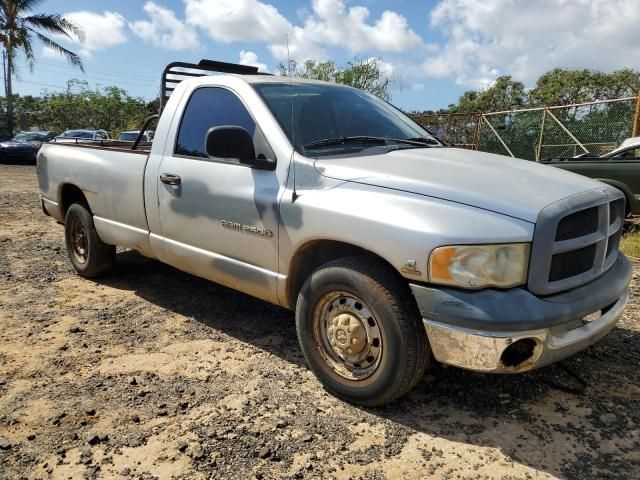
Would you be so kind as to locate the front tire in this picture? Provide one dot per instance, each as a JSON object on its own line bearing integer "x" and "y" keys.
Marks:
{"x": 361, "y": 332}
{"x": 89, "y": 255}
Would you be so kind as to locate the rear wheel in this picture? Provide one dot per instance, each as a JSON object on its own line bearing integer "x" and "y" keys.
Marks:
{"x": 89, "y": 255}
{"x": 361, "y": 332}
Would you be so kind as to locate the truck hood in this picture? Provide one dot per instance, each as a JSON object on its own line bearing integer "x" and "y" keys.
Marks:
{"x": 514, "y": 187}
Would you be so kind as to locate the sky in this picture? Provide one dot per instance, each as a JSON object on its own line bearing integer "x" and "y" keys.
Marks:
{"x": 433, "y": 50}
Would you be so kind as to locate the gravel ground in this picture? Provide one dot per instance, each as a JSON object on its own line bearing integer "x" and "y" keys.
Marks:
{"x": 152, "y": 373}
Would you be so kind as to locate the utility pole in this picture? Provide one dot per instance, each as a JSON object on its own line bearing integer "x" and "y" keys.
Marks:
{"x": 4, "y": 71}
{"x": 636, "y": 118}
{"x": 4, "y": 80}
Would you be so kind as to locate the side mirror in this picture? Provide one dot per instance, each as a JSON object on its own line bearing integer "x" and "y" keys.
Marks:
{"x": 231, "y": 141}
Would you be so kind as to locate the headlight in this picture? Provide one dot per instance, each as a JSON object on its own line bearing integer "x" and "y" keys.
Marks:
{"x": 478, "y": 266}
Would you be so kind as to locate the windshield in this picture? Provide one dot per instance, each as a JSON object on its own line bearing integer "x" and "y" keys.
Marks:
{"x": 333, "y": 119}
{"x": 30, "y": 137}
{"x": 77, "y": 134}
{"x": 129, "y": 136}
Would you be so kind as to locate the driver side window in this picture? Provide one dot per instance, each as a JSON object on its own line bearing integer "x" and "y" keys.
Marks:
{"x": 210, "y": 107}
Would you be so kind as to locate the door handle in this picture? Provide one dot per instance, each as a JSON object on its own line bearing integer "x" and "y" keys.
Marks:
{"x": 170, "y": 179}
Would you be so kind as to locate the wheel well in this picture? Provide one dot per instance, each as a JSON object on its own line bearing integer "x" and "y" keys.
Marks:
{"x": 69, "y": 195}
{"x": 315, "y": 254}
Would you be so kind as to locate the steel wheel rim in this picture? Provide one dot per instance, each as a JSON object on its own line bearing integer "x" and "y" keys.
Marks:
{"x": 79, "y": 242}
{"x": 348, "y": 335}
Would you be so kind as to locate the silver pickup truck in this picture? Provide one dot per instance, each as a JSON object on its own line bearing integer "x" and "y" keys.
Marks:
{"x": 391, "y": 248}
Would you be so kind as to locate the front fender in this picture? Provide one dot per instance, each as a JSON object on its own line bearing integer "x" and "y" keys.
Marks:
{"x": 396, "y": 226}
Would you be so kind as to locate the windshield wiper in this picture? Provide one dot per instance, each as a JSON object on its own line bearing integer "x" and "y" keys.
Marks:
{"x": 422, "y": 140}
{"x": 343, "y": 140}
{"x": 417, "y": 141}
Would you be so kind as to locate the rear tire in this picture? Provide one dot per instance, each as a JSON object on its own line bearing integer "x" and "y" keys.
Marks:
{"x": 361, "y": 332}
{"x": 89, "y": 255}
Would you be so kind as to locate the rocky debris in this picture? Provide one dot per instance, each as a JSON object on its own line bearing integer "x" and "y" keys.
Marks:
{"x": 170, "y": 373}
{"x": 608, "y": 418}
{"x": 95, "y": 439}
{"x": 264, "y": 452}
{"x": 4, "y": 444}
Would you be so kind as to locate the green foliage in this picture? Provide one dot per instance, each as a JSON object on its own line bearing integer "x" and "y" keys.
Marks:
{"x": 556, "y": 87}
{"x": 363, "y": 74}
{"x": 599, "y": 127}
{"x": 19, "y": 27}
{"x": 563, "y": 87}
{"x": 504, "y": 94}
{"x": 109, "y": 108}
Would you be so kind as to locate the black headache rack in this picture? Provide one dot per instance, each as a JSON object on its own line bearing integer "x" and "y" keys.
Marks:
{"x": 172, "y": 75}
{"x": 176, "y": 72}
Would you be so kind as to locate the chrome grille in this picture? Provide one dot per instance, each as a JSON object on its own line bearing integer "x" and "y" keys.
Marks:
{"x": 576, "y": 240}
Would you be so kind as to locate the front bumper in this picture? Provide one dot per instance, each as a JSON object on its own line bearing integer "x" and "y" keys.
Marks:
{"x": 480, "y": 330}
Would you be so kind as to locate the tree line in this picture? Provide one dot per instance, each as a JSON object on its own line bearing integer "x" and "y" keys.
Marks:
{"x": 112, "y": 108}
{"x": 555, "y": 87}
{"x": 109, "y": 108}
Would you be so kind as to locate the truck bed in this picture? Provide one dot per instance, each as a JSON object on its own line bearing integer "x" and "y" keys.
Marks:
{"x": 110, "y": 176}
{"x": 118, "y": 145}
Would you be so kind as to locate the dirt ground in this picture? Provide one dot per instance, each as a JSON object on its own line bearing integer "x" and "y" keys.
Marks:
{"x": 152, "y": 373}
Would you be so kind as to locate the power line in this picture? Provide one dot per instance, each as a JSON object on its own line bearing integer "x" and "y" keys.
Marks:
{"x": 42, "y": 84}
{"x": 103, "y": 71}
{"x": 102, "y": 79}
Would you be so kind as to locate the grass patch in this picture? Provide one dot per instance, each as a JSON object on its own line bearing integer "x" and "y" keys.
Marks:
{"x": 630, "y": 241}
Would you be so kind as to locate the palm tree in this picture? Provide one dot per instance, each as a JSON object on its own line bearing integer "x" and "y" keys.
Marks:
{"x": 19, "y": 26}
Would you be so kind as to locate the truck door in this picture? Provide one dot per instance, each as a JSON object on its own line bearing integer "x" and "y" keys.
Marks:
{"x": 219, "y": 217}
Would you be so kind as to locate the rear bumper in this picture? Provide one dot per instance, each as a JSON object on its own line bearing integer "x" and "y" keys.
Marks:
{"x": 23, "y": 156}
{"x": 482, "y": 330}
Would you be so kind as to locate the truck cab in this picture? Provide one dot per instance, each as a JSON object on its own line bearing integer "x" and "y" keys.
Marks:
{"x": 392, "y": 249}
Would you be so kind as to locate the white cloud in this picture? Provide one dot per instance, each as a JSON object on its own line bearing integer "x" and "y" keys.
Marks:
{"x": 331, "y": 24}
{"x": 524, "y": 39}
{"x": 164, "y": 29}
{"x": 51, "y": 53}
{"x": 248, "y": 57}
{"x": 101, "y": 30}
{"x": 237, "y": 20}
{"x": 386, "y": 69}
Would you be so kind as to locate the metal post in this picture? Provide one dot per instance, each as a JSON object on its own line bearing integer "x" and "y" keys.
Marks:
{"x": 567, "y": 131}
{"x": 477, "y": 132}
{"x": 636, "y": 118}
{"x": 539, "y": 149}
{"x": 4, "y": 71}
{"x": 500, "y": 138}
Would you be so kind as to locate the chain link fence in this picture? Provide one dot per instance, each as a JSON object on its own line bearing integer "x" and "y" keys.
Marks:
{"x": 543, "y": 132}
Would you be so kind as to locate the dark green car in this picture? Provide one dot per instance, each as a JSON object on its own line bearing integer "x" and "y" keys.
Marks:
{"x": 619, "y": 168}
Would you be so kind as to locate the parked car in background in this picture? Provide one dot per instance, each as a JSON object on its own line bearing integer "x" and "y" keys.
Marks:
{"x": 80, "y": 134}
{"x": 131, "y": 135}
{"x": 23, "y": 147}
{"x": 619, "y": 168}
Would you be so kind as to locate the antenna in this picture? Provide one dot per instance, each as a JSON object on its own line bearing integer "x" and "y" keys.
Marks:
{"x": 294, "y": 194}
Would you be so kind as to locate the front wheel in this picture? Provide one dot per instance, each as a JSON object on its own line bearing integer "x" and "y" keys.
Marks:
{"x": 89, "y": 255}
{"x": 360, "y": 331}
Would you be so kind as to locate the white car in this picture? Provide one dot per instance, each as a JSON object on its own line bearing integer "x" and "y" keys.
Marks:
{"x": 131, "y": 135}
{"x": 74, "y": 136}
